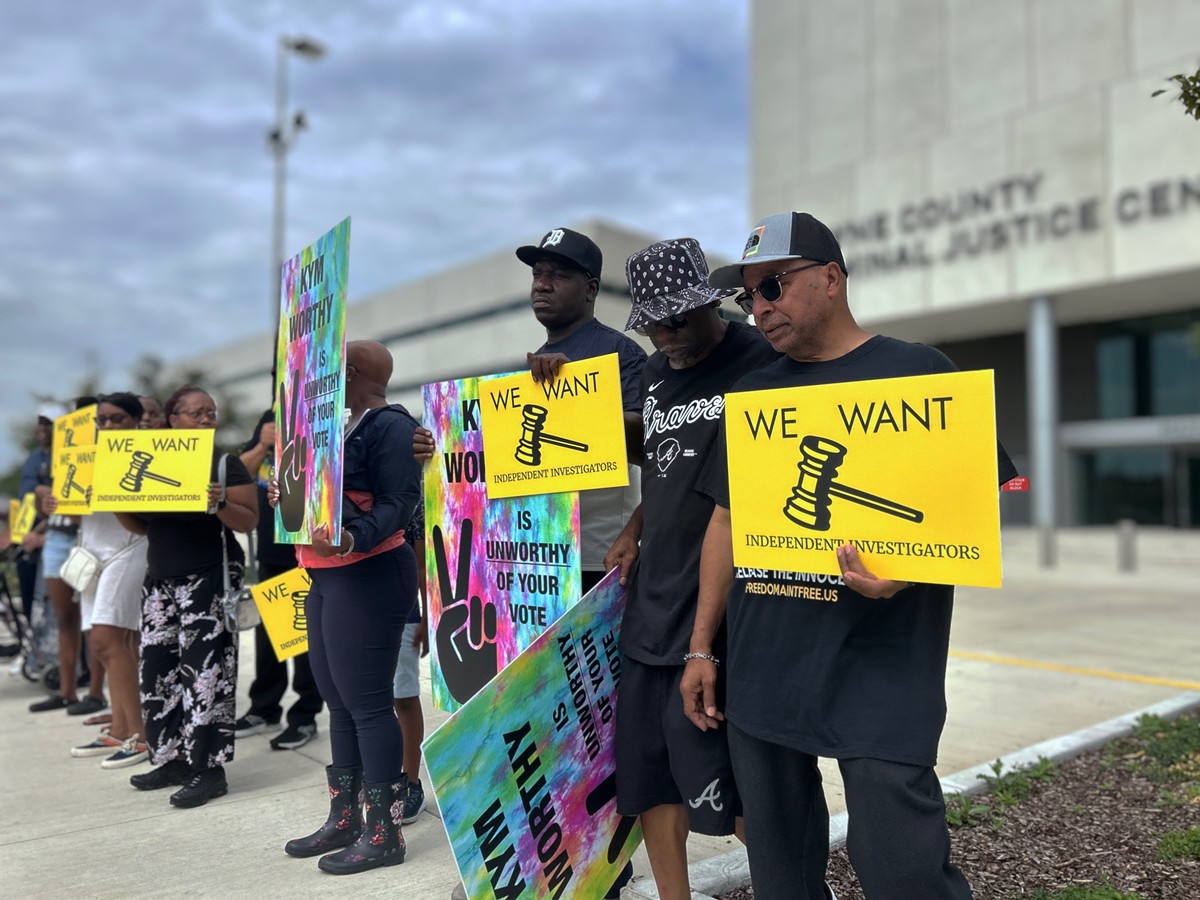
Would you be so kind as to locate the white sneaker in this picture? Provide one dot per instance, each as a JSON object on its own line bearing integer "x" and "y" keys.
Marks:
{"x": 132, "y": 752}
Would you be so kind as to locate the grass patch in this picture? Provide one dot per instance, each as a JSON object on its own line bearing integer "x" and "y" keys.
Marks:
{"x": 1177, "y": 845}
{"x": 1103, "y": 891}
{"x": 1004, "y": 789}
{"x": 1166, "y": 751}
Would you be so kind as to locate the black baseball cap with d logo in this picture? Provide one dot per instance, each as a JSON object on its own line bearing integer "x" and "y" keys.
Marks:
{"x": 790, "y": 235}
{"x": 569, "y": 246}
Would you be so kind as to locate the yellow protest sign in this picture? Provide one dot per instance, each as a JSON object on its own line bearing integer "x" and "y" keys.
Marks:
{"x": 153, "y": 471}
{"x": 75, "y": 429}
{"x": 73, "y": 471}
{"x": 903, "y": 468}
{"x": 564, "y": 435}
{"x": 280, "y": 602}
{"x": 20, "y": 523}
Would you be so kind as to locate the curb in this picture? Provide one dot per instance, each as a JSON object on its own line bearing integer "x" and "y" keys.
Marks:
{"x": 731, "y": 870}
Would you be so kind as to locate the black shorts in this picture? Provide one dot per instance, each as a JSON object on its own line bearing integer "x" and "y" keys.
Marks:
{"x": 662, "y": 758}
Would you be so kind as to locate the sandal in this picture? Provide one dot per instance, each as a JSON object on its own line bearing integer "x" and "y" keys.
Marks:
{"x": 99, "y": 719}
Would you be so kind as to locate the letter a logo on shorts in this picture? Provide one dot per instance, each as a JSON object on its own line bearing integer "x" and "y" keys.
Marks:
{"x": 711, "y": 795}
{"x": 554, "y": 238}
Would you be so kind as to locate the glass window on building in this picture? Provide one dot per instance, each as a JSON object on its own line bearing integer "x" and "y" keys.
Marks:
{"x": 1149, "y": 366}
{"x": 1123, "y": 484}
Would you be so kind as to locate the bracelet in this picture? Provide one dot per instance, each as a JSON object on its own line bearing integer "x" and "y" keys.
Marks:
{"x": 712, "y": 659}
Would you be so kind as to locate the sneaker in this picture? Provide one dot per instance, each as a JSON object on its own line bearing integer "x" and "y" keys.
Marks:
{"x": 251, "y": 724}
{"x": 132, "y": 752}
{"x": 168, "y": 774}
{"x": 87, "y": 705}
{"x": 55, "y": 702}
{"x": 101, "y": 746}
{"x": 414, "y": 802}
{"x": 294, "y": 737}
{"x": 200, "y": 788}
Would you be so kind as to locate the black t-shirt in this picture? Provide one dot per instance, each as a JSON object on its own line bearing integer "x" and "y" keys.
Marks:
{"x": 837, "y": 674}
{"x": 182, "y": 544}
{"x": 681, "y": 418}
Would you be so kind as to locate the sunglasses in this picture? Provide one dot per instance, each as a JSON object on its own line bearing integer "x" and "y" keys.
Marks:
{"x": 769, "y": 288}
{"x": 671, "y": 323}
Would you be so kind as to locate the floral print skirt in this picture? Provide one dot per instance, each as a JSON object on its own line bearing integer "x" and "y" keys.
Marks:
{"x": 188, "y": 669}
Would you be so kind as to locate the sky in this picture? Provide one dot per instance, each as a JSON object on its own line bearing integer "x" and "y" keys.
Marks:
{"x": 136, "y": 184}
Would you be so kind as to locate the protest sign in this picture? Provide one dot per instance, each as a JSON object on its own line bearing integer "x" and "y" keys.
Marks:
{"x": 73, "y": 471}
{"x": 153, "y": 471}
{"x": 563, "y": 435}
{"x": 534, "y": 813}
{"x": 280, "y": 602}
{"x": 72, "y": 475}
{"x": 20, "y": 523}
{"x": 498, "y": 571}
{"x": 903, "y": 468}
{"x": 311, "y": 387}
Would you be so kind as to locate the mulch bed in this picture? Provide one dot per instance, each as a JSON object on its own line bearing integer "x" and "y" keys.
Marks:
{"x": 1088, "y": 823}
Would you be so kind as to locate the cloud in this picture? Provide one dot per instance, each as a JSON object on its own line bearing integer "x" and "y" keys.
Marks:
{"x": 136, "y": 181}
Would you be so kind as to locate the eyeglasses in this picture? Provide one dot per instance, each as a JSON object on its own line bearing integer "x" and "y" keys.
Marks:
{"x": 116, "y": 419}
{"x": 769, "y": 288}
{"x": 197, "y": 415}
{"x": 671, "y": 323}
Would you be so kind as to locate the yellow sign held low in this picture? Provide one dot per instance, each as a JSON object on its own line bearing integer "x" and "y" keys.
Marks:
{"x": 903, "y": 468}
{"x": 74, "y": 469}
{"x": 564, "y": 435}
{"x": 280, "y": 602}
{"x": 153, "y": 471}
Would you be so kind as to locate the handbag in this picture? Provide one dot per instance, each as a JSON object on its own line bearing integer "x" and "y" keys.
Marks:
{"x": 81, "y": 569}
{"x": 239, "y": 611}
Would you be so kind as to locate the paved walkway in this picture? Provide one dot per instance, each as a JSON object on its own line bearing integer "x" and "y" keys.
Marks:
{"x": 1049, "y": 653}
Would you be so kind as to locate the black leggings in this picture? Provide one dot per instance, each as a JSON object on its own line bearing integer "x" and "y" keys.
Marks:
{"x": 356, "y": 617}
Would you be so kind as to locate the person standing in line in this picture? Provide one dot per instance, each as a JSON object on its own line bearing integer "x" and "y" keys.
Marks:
{"x": 675, "y": 778}
{"x": 271, "y": 674}
{"x": 406, "y": 686}
{"x": 188, "y": 669}
{"x": 860, "y": 680}
{"x": 111, "y": 609}
{"x": 364, "y": 583}
{"x": 152, "y": 413}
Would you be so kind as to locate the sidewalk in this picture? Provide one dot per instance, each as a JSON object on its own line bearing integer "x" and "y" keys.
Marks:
{"x": 71, "y": 829}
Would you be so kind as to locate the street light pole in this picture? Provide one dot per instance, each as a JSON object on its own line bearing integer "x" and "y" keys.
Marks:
{"x": 280, "y": 139}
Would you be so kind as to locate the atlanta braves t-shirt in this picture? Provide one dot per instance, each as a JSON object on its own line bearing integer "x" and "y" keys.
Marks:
{"x": 604, "y": 512}
{"x": 681, "y": 416}
{"x": 813, "y": 665}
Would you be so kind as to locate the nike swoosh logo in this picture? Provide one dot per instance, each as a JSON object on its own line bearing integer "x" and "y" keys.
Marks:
{"x": 653, "y": 386}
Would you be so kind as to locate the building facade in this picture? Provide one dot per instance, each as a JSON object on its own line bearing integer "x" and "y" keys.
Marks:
{"x": 1005, "y": 187}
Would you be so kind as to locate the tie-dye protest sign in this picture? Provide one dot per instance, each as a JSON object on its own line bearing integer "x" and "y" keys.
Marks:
{"x": 311, "y": 388}
{"x": 498, "y": 571}
{"x": 534, "y": 814}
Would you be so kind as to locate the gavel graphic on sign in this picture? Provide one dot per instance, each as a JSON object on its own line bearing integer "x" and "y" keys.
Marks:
{"x": 533, "y": 435}
{"x": 299, "y": 617}
{"x": 815, "y": 488}
{"x": 70, "y": 484}
{"x": 139, "y": 471}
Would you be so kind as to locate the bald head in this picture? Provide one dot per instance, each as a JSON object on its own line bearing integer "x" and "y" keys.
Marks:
{"x": 368, "y": 370}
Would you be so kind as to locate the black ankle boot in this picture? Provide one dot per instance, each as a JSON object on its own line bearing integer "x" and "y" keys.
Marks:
{"x": 344, "y": 824}
{"x": 381, "y": 843}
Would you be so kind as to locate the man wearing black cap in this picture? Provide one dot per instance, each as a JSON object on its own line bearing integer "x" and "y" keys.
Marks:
{"x": 566, "y": 279}
{"x": 675, "y": 778}
{"x": 860, "y": 680}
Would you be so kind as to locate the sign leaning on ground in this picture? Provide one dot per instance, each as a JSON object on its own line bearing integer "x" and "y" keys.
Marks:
{"x": 563, "y": 435}
{"x": 153, "y": 471}
{"x": 311, "y": 388}
{"x": 498, "y": 571}
{"x": 903, "y": 468}
{"x": 534, "y": 814}
{"x": 281, "y": 603}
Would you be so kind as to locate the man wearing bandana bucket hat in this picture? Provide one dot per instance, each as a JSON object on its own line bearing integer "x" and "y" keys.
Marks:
{"x": 860, "y": 679}
{"x": 675, "y": 777}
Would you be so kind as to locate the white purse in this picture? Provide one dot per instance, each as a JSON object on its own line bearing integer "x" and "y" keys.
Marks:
{"x": 81, "y": 569}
